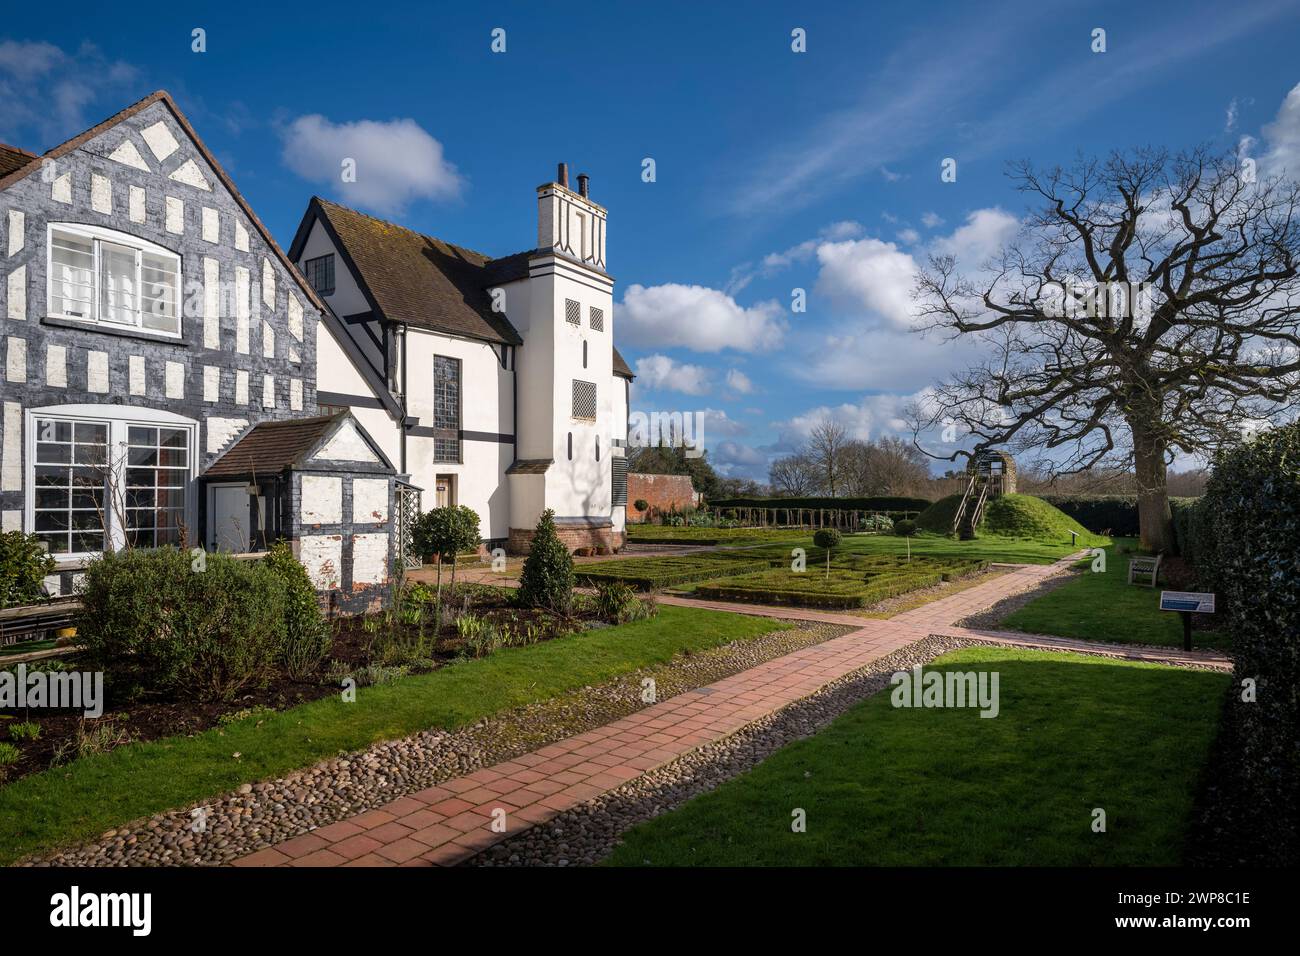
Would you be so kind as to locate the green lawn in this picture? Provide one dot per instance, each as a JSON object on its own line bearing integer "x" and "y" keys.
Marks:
{"x": 999, "y": 549}
{"x": 1103, "y": 606}
{"x": 88, "y": 796}
{"x": 886, "y": 786}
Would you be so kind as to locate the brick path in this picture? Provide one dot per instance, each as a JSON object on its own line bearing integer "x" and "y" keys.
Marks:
{"x": 448, "y": 823}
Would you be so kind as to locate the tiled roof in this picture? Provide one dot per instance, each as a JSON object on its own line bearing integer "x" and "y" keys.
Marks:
{"x": 13, "y": 159}
{"x": 271, "y": 447}
{"x": 620, "y": 365}
{"x": 424, "y": 282}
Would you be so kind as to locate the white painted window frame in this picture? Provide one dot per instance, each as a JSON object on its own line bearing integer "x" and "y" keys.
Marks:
{"x": 118, "y": 418}
{"x": 98, "y": 234}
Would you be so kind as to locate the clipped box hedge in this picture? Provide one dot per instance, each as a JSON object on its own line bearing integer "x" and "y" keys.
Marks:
{"x": 875, "y": 503}
{"x": 852, "y": 584}
{"x": 648, "y": 574}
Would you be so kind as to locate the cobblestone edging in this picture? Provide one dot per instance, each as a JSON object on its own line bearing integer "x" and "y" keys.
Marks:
{"x": 587, "y": 834}
{"x": 266, "y": 813}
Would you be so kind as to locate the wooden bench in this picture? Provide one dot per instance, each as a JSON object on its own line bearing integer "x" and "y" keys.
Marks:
{"x": 35, "y": 622}
{"x": 1144, "y": 565}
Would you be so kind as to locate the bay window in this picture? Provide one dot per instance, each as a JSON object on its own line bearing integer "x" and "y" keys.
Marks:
{"x": 101, "y": 476}
{"x": 110, "y": 278}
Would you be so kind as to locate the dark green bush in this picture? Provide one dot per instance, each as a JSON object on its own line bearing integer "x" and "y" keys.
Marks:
{"x": 905, "y": 528}
{"x": 1251, "y": 514}
{"x": 641, "y": 505}
{"x": 24, "y": 564}
{"x": 617, "y": 603}
{"x": 306, "y": 638}
{"x": 1117, "y": 514}
{"x": 152, "y": 620}
{"x": 547, "y": 577}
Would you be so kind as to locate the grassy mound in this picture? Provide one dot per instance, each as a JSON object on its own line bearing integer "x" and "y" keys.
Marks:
{"x": 938, "y": 518}
{"x": 1010, "y": 516}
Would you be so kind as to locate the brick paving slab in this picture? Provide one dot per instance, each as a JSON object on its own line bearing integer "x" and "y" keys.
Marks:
{"x": 448, "y": 823}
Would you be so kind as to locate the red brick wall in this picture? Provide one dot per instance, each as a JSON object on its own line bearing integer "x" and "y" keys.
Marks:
{"x": 573, "y": 538}
{"x": 663, "y": 492}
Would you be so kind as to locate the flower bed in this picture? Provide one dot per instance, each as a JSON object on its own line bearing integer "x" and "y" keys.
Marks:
{"x": 411, "y": 638}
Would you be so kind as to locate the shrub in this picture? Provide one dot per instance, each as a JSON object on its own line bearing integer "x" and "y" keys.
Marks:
{"x": 444, "y": 533}
{"x": 306, "y": 638}
{"x": 829, "y": 539}
{"x": 547, "y": 578}
{"x": 905, "y": 528}
{"x": 641, "y": 505}
{"x": 150, "y": 620}
{"x": 1251, "y": 512}
{"x": 647, "y": 574}
{"x": 23, "y": 567}
{"x": 617, "y": 603}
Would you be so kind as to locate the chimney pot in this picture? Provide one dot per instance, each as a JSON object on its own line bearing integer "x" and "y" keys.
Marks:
{"x": 584, "y": 183}
{"x": 563, "y": 176}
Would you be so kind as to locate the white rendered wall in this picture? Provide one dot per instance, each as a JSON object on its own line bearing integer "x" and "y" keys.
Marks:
{"x": 486, "y": 402}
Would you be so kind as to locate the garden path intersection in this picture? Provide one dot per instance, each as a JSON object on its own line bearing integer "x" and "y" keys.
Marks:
{"x": 453, "y": 821}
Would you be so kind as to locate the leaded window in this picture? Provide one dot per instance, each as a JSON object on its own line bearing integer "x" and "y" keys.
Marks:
{"x": 572, "y": 312}
{"x": 584, "y": 400}
{"x": 446, "y": 409}
{"x": 597, "y": 319}
{"x": 320, "y": 273}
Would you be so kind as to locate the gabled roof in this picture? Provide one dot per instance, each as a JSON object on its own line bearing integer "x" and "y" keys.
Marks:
{"x": 12, "y": 159}
{"x": 414, "y": 279}
{"x": 417, "y": 280}
{"x": 11, "y": 176}
{"x": 270, "y": 448}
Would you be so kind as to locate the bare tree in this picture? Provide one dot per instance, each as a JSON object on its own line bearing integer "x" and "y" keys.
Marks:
{"x": 1149, "y": 307}
{"x": 895, "y": 467}
{"x": 793, "y": 475}
{"x": 825, "y": 450}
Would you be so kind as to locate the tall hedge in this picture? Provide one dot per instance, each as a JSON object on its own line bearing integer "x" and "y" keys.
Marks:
{"x": 547, "y": 578}
{"x": 1099, "y": 513}
{"x": 1250, "y": 514}
{"x": 877, "y": 503}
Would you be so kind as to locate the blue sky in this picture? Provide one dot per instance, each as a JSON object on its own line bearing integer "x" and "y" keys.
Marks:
{"x": 775, "y": 170}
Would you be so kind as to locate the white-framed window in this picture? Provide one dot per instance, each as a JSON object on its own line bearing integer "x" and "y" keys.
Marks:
{"x": 114, "y": 279}
{"x": 100, "y": 475}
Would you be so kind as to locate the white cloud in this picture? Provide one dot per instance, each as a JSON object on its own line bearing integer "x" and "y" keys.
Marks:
{"x": 717, "y": 422}
{"x": 869, "y": 274}
{"x": 397, "y": 162}
{"x": 699, "y": 318}
{"x": 909, "y": 236}
{"x": 739, "y": 382}
{"x": 1283, "y": 138}
{"x": 1230, "y": 117}
{"x": 931, "y": 220}
{"x": 661, "y": 373}
{"x": 48, "y": 93}
{"x": 868, "y": 419}
{"x": 985, "y": 232}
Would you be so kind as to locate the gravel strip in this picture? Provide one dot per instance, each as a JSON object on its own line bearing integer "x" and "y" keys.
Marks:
{"x": 263, "y": 814}
{"x": 587, "y": 834}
